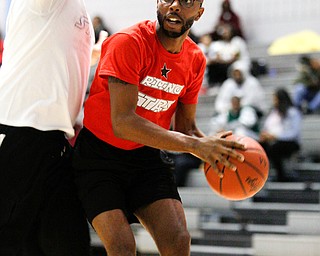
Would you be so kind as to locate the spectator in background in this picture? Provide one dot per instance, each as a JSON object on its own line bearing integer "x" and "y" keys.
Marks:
{"x": 223, "y": 53}
{"x": 204, "y": 44}
{"x": 98, "y": 26}
{"x": 183, "y": 164}
{"x": 228, "y": 16}
{"x": 280, "y": 132}
{"x": 240, "y": 119}
{"x": 244, "y": 85}
{"x": 95, "y": 57}
{"x": 193, "y": 36}
{"x": 306, "y": 95}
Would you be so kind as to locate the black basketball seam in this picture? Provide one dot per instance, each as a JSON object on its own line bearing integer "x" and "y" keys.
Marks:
{"x": 209, "y": 166}
{"x": 206, "y": 170}
{"x": 241, "y": 183}
{"x": 237, "y": 173}
{"x": 254, "y": 168}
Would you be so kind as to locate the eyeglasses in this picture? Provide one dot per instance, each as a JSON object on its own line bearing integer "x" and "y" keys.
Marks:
{"x": 183, "y": 3}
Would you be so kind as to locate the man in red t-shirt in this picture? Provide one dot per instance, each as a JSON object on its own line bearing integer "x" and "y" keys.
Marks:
{"x": 148, "y": 75}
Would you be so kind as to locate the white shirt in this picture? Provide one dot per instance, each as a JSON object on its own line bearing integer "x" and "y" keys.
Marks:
{"x": 242, "y": 126}
{"x": 228, "y": 49}
{"x": 287, "y": 128}
{"x": 251, "y": 93}
{"x": 46, "y": 60}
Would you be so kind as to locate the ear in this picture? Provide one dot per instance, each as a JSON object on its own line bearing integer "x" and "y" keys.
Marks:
{"x": 200, "y": 12}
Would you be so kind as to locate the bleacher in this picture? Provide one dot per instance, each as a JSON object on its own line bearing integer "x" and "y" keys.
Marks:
{"x": 283, "y": 219}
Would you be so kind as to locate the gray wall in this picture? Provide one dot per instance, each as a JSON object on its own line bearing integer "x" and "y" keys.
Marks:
{"x": 263, "y": 20}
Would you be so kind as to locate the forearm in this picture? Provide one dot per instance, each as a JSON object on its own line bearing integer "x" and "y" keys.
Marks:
{"x": 208, "y": 149}
{"x": 135, "y": 128}
{"x": 127, "y": 124}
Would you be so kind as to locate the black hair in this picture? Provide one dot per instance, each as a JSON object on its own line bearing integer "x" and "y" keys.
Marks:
{"x": 284, "y": 101}
{"x": 304, "y": 59}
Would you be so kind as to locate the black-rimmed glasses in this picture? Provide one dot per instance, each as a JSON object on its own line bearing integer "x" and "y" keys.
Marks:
{"x": 183, "y": 3}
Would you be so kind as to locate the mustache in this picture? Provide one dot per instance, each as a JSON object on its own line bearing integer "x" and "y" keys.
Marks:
{"x": 186, "y": 24}
{"x": 173, "y": 15}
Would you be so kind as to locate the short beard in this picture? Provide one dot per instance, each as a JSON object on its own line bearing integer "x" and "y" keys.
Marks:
{"x": 171, "y": 34}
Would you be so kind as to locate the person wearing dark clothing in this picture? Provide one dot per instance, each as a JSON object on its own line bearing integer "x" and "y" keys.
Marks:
{"x": 183, "y": 164}
{"x": 306, "y": 95}
{"x": 98, "y": 26}
{"x": 228, "y": 16}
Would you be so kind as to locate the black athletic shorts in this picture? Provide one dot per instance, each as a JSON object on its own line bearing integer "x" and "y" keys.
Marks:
{"x": 110, "y": 178}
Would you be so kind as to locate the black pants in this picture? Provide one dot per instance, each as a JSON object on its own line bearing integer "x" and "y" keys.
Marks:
{"x": 277, "y": 152}
{"x": 218, "y": 73}
{"x": 40, "y": 214}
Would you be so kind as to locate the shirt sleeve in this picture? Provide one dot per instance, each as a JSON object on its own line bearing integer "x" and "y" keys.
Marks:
{"x": 121, "y": 58}
{"x": 191, "y": 97}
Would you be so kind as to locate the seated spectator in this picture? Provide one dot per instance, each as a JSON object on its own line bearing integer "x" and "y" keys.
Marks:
{"x": 244, "y": 85}
{"x": 95, "y": 56}
{"x": 223, "y": 53}
{"x": 306, "y": 95}
{"x": 281, "y": 131}
{"x": 241, "y": 119}
{"x": 183, "y": 164}
{"x": 98, "y": 26}
{"x": 228, "y": 16}
{"x": 204, "y": 44}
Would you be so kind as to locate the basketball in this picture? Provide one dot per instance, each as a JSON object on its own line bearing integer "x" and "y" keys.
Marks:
{"x": 250, "y": 176}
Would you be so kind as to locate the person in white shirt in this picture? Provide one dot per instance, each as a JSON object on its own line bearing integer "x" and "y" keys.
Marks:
{"x": 43, "y": 81}
{"x": 224, "y": 52}
{"x": 281, "y": 132}
{"x": 240, "y": 119}
{"x": 244, "y": 85}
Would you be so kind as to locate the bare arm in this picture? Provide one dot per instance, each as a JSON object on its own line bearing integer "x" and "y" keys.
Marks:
{"x": 130, "y": 126}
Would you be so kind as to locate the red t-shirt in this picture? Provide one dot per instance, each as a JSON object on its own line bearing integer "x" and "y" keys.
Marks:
{"x": 136, "y": 56}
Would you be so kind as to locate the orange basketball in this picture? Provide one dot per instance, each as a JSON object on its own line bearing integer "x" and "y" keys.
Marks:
{"x": 250, "y": 176}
